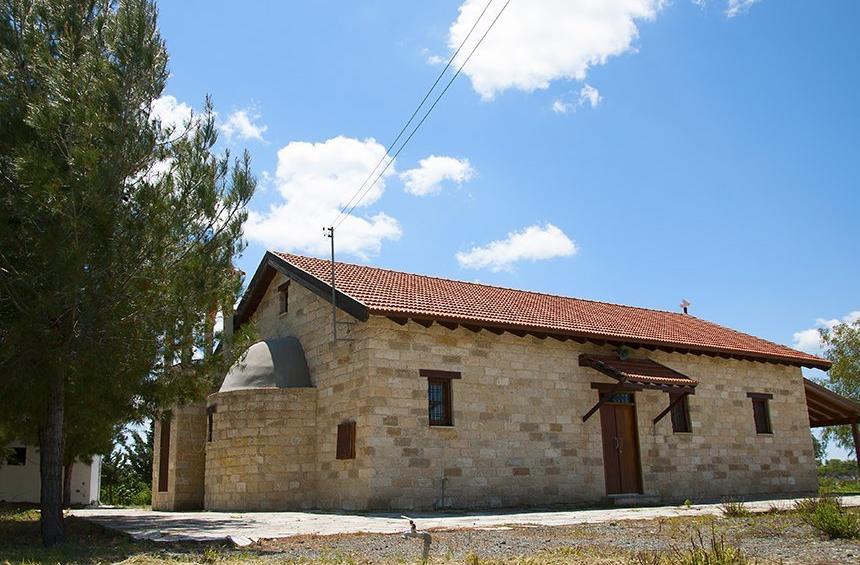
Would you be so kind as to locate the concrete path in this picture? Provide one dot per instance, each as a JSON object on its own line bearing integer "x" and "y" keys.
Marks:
{"x": 243, "y": 528}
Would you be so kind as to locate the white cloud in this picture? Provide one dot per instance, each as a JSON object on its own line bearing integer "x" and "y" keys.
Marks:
{"x": 532, "y": 243}
{"x": 172, "y": 113}
{"x": 538, "y": 41}
{"x": 428, "y": 177}
{"x": 315, "y": 180}
{"x": 736, "y": 7}
{"x": 809, "y": 340}
{"x": 587, "y": 95}
{"x": 432, "y": 58}
{"x": 242, "y": 124}
{"x": 560, "y": 106}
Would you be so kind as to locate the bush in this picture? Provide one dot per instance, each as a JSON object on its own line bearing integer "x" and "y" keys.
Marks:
{"x": 734, "y": 509}
{"x": 827, "y": 515}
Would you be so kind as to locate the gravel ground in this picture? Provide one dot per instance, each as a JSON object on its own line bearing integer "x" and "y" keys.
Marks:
{"x": 774, "y": 538}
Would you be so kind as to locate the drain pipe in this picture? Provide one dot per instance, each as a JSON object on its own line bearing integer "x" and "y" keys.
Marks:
{"x": 413, "y": 532}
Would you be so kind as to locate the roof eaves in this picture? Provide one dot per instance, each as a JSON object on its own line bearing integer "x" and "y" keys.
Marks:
{"x": 803, "y": 360}
{"x": 273, "y": 263}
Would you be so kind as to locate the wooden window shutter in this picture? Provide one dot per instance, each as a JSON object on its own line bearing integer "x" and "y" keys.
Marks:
{"x": 761, "y": 411}
{"x": 346, "y": 440}
{"x": 680, "y": 415}
{"x": 762, "y": 418}
{"x": 164, "y": 453}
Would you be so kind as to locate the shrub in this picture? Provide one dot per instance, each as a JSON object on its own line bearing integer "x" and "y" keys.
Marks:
{"x": 734, "y": 509}
{"x": 827, "y": 515}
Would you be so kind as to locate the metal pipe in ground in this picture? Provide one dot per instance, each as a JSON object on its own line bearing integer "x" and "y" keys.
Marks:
{"x": 413, "y": 532}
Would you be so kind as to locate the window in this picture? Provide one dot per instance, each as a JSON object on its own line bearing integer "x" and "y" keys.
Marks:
{"x": 284, "y": 297}
{"x": 620, "y": 398}
{"x": 680, "y": 413}
{"x": 761, "y": 412}
{"x": 439, "y": 405}
{"x": 346, "y": 440}
{"x": 17, "y": 456}
{"x": 164, "y": 453}
{"x": 210, "y": 421}
{"x": 439, "y": 396}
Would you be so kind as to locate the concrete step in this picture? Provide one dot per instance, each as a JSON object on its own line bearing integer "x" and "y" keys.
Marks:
{"x": 633, "y": 500}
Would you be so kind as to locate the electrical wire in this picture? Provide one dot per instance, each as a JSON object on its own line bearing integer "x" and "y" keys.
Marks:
{"x": 364, "y": 189}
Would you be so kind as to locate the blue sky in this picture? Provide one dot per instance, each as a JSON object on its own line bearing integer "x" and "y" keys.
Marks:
{"x": 640, "y": 153}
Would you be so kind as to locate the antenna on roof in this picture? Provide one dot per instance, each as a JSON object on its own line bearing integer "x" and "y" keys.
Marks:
{"x": 684, "y": 305}
{"x": 329, "y": 233}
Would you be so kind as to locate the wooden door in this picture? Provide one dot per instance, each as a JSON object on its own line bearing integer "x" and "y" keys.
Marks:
{"x": 621, "y": 446}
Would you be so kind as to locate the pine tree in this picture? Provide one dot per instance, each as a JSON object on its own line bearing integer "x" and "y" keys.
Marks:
{"x": 117, "y": 232}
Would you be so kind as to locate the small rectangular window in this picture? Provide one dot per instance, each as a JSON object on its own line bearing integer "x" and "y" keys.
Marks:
{"x": 439, "y": 396}
{"x": 284, "y": 297}
{"x": 439, "y": 403}
{"x": 346, "y": 440}
{"x": 680, "y": 414}
{"x": 17, "y": 456}
{"x": 761, "y": 412}
{"x": 210, "y": 421}
{"x": 164, "y": 453}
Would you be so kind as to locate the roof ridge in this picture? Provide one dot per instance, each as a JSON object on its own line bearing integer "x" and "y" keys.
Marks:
{"x": 554, "y": 295}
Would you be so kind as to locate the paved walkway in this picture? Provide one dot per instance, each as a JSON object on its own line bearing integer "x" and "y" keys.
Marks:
{"x": 243, "y": 528}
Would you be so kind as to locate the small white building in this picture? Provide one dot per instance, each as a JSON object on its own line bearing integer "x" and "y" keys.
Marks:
{"x": 20, "y": 479}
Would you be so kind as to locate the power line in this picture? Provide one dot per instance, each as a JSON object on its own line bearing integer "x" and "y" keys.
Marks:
{"x": 364, "y": 189}
{"x": 415, "y": 112}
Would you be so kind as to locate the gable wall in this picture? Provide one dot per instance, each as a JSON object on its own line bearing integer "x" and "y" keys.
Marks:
{"x": 518, "y": 438}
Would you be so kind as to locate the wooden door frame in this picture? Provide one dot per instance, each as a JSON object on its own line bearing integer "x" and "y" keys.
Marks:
{"x": 639, "y": 482}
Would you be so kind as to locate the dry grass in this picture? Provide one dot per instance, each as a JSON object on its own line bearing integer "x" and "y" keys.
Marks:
{"x": 671, "y": 541}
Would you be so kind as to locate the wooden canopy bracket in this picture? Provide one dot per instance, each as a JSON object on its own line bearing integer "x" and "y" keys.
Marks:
{"x": 672, "y": 404}
{"x": 856, "y": 437}
{"x": 604, "y": 397}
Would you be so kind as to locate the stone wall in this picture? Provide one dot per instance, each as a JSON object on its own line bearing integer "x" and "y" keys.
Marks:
{"x": 518, "y": 438}
{"x": 186, "y": 460}
{"x": 339, "y": 374}
{"x": 262, "y": 453}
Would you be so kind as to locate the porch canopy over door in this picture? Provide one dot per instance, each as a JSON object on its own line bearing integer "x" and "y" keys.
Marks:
{"x": 826, "y": 408}
{"x": 638, "y": 373}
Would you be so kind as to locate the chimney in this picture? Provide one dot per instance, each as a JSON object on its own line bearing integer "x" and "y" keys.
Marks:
{"x": 684, "y": 305}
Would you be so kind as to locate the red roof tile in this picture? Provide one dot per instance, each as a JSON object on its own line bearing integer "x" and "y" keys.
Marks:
{"x": 637, "y": 370}
{"x": 388, "y": 292}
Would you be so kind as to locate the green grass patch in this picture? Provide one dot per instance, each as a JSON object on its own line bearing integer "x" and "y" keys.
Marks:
{"x": 828, "y": 485}
{"x": 734, "y": 509}
{"x": 827, "y": 515}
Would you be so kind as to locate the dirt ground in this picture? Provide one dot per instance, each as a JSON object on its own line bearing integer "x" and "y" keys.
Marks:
{"x": 764, "y": 538}
{"x": 771, "y": 538}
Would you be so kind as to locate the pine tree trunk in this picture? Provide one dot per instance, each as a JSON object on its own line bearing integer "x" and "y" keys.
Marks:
{"x": 67, "y": 485}
{"x": 51, "y": 466}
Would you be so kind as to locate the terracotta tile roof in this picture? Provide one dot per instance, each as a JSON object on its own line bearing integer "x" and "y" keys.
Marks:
{"x": 636, "y": 370}
{"x": 394, "y": 293}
